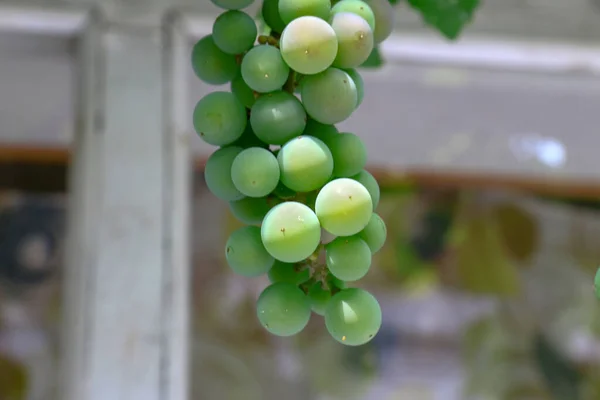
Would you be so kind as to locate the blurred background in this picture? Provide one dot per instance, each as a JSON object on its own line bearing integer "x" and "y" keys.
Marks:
{"x": 486, "y": 152}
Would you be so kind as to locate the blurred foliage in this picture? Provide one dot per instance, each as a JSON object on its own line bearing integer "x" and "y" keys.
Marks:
{"x": 13, "y": 380}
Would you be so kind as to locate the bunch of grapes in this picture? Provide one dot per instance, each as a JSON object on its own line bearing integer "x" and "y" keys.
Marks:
{"x": 286, "y": 171}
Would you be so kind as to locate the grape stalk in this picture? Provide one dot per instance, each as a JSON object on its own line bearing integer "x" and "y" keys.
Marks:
{"x": 298, "y": 184}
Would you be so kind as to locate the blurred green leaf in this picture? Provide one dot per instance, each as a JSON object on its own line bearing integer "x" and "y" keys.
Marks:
{"x": 375, "y": 59}
{"x": 561, "y": 377}
{"x": 481, "y": 261}
{"x": 447, "y": 16}
{"x": 519, "y": 231}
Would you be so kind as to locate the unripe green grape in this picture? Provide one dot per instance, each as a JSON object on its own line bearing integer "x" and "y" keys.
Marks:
{"x": 370, "y": 183}
{"x": 597, "y": 284}
{"x": 284, "y": 192}
{"x": 250, "y": 210}
{"x": 291, "y": 232}
{"x": 283, "y": 309}
{"x": 357, "y": 7}
{"x": 374, "y": 233}
{"x": 255, "y": 172}
{"x": 286, "y": 272}
{"x": 308, "y": 45}
{"x": 343, "y": 207}
{"x": 217, "y": 174}
{"x": 306, "y": 164}
{"x": 234, "y": 32}
{"x": 360, "y": 84}
{"x": 246, "y": 254}
{"x": 289, "y": 10}
{"x": 348, "y": 258}
{"x": 384, "y": 19}
{"x": 353, "y": 317}
{"x": 355, "y": 40}
{"x": 349, "y": 154}
{"x": 264, "y": 70}
{"x": 319, "y": 130}
{"x": 329, "y": 97}
{"x": 242, "y": 91}
{"x": 211, "y": 64}
{"x": 319, "y": 298}
{"x": 277, "y": 117}
{"x": 270, "y": 13}
{"x": 232, "y": 4}
{"x": 219, "y": 118}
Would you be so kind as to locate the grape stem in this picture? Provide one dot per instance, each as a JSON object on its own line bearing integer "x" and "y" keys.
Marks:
{"x": 270, "y": 40}
{"x": 290, "y": 84}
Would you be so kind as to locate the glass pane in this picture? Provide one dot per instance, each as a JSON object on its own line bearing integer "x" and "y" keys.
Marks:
{"x": 36, "y": 124}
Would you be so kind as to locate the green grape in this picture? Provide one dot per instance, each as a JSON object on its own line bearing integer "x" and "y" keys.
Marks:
{"x": 255, "y": 172}
{"x": 217, "y": 174}
{"x": 219, "y": 118}
{"x": 289, "y": 10}
{"x": 242, "y": 91}
{"x": 348, "y": 258}
{"x": 319, "y": 130}
{"x": 306, "y": 164}
{"x": 249, "y": 139}
{"x": 234, "y": 32}
{"x": 329, "y": 97}
{"x": 357, "y": 7}
{"x": 369, "y": 182}
{"x": 277, "y": 117}
{"x": 291, "y": 232}
{"x": 597, "y": 284}
{"x": 349, "y": 154}
{"x": 360, "y": 84}
{"x": 284, "y": 192}
{"x": 232, "y": 4}
{"x": 319, "y": 298}
{"x": 250, "y": 210}
{"x": 335, "y": 282}
{"x": 211, "y": 64}
{"x": 384, "y": 19}
{"x": 353, "y": 317}
{"x": 374, "y": 233}
{"x": 264, "y": 70}
{"x": 285, "y": 272}
{"x": 245, "y": 253}
{"x": 270, "y": 13}
{"x": 355, "y": 40}
{"x": 283, "y": 309}
{"x": 343, "y": 207}
{"x": 308, "y": 45}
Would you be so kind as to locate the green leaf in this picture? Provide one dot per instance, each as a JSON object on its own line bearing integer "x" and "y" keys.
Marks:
{"x": 448, "y": 16}
{"x": 562, "y": 379}
{"x": 374, "y": 61}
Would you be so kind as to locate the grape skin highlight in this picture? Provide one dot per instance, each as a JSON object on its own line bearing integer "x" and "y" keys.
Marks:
{"x": 291, "y": 232}
{"x": 264, "y": 70}
{"x": 246, "y": 254}
{"x": 308, "y": 45}
{"x": 211, "y": 64}
{"x": 329, "y": 97}
{"x": 353, "y": 317}
{"x": 344, "y": 207}
{"x": 283, "y": 309}
{"x": 255, "y": 172}
{"x": 219, "y": 118}
{"x": 355, "y": 40}
{"x": 306, "y": 164}
{"x": 234, "y": 32}
{"x": 217, "y": 174}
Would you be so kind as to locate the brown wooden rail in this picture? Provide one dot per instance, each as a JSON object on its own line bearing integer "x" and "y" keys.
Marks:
{"x": 42, "y": 169}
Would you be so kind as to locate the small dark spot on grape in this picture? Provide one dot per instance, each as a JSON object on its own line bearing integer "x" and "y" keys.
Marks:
{"x": 350, "y": 197}
{"x": 283, "y": 231}
{"x": 229, "y": 250}
{"x": 370, "y": 336}
{"x": 345, "y": 81}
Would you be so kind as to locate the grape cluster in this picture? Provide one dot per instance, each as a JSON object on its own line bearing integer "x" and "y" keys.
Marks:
{"x": 286, "y": 171}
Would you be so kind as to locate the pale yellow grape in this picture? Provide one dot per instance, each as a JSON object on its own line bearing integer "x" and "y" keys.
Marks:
{"x": 355, "y": 39}
{"x": 308, "y": 45}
